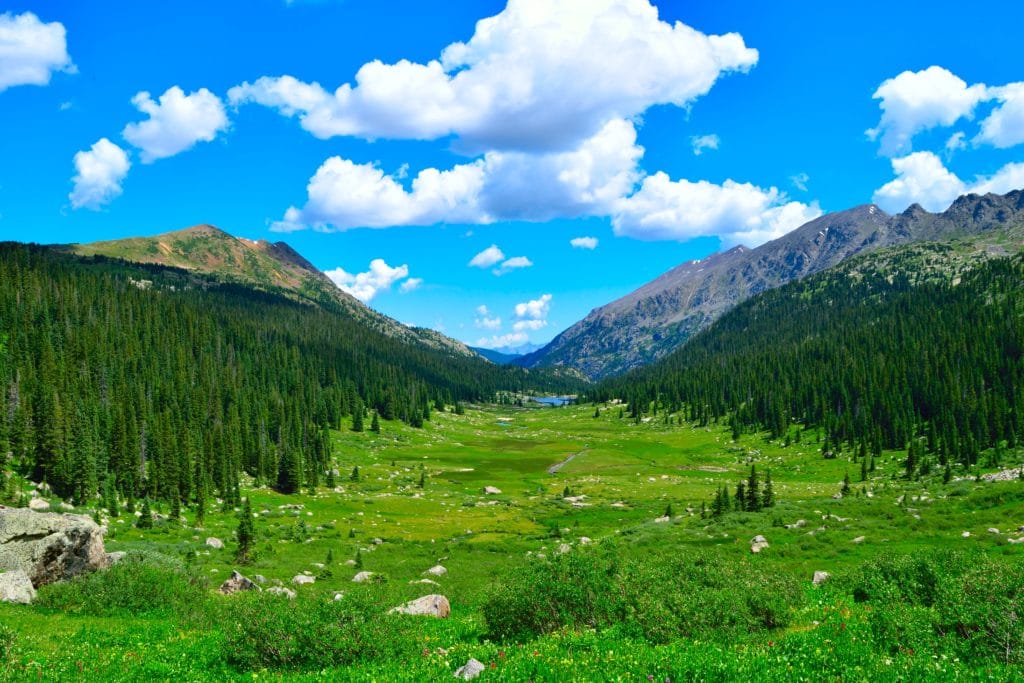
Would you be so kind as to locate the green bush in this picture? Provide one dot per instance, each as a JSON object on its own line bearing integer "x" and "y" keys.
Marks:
{"x": 142, "y": 583}
{"x": 6, "y": 643}
{"x": 656, "y": 597}
{"x": 263, "y": 630}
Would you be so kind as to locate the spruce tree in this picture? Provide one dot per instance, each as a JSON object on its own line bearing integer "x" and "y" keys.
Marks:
{"x": 246, "y": 534}
{"x": 768, "y": 495}
{"x": 355, "y": 474}
{"x": 846, "y": 485}
{"x": 145, "y": 520}
{"x": 375, "y": 423}
{"x": 357, "y": 417}
{"x": 753, "y": 493}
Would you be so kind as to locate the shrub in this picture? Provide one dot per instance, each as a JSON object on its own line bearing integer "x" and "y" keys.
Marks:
{"x": 263, "y": 630}
{"x": 142, "y": 583}
{"x": 6, "y": 643}
{"x": 657, "y": 597}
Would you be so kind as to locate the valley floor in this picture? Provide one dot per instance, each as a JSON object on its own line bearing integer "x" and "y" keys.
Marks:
{"x": 559, "y": 479}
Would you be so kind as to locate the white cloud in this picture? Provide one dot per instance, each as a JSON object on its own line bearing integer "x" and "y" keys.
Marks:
{"x": 99, "y": 173}
{"x": 920, "y": 178}
{"x": 537, "y": 76}
{"x": 498, "y": 186}
{"x": 488, "y": 257}
{"x": 1004, "y": 127}
{"x": 410, "y": 284}
{"x": 523, "y": 325}
{"x": 484, "y": 319}
{"x": 736, "y": 212}
{"x": 365, "y": 286}
{"x": 503, "y": 341}
{"x": 703, "y": 142}
{"x": 583, "y": 242}
{"x": 514, "y": 263}
{"x": 955, "y": 143}
{"x": 31, "y": 51}
{"x": 535, "y": 309}
{"x": 176, "y": 122}
{"x": 916, "y": 101}
{"x": 800, "y": 181}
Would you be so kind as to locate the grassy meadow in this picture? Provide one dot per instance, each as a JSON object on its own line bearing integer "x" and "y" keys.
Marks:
{"x": 580, "y": 497}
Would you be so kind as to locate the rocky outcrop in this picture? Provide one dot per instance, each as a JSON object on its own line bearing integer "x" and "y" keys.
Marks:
{"x": 16, "y": 587}
{"x": 428, "y": 605}
{"x": 238, "y": 583}
{"x": 50, "y": 547}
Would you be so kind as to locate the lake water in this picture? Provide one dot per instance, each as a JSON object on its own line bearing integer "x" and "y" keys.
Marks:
{"x": 556, "y": 401}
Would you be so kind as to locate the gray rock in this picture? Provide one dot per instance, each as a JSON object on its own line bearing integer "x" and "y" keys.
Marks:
{"x": 363, "y": 577}
{"x": 758, "y": 543}
{"x": 429, "y": 605}
{"x": 492, "y": 490}
{"x": 115, "y": 557}
{"x": 238, "y": 583}
{"x": 38, "y": 504}
{"x": 859, "y": 539}
{"x": 259, "y": 578}
{"x": 214, "y": 543}
{"x": 50, "y": 547}
{"x": 437, "y": 570}
{"x": 302, "y": 579}
{"x": 470, "y": 670}
{"x": 16, "y": 587}
{"x": 281, "y": 590}
{"x": 820, "y": 578}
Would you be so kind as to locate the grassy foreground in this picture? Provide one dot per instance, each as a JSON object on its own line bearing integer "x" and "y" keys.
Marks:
{"x": 560, "y": 576}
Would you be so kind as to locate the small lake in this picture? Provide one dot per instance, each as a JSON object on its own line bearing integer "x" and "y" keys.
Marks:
{"x": 556, "y": 401}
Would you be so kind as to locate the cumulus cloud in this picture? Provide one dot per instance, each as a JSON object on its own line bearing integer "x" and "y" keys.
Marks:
{"x": 365, "y": 286}
{"x": 537, "y": 76}
{"x": 535, "y": 309}
{"x": 176, "y": 122}
{"x": 410, "y": 284}
{"x": 99, "y": 173}
{"x": 514, "y": 263}
{"x": 916, "y": 101}
{"x": 484, "y": 319}
{"x": 488, "y": 257}
{"x": 703, "y": 142}
{"x": 523, "y": 325}
{"x": 922, "y": 178}
{"x": 503, "y": 341}
{"x": 739, "y": 213}
{"x": 583, "y": 242}
{"x": 800, "y": 181}
{"x": 30, "y": 50}
{"x": 1004, "y": 127}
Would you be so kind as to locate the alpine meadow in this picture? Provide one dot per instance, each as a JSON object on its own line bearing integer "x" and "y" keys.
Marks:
{"x": 521, "y": 340}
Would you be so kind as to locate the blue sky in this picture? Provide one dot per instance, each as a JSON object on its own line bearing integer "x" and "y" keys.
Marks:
{"x": 663, "y": 132}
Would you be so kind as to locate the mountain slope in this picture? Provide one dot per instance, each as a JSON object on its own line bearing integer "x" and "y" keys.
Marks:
{"x": 918, "y": 340}
{"x": 657, "y": 318}
{"x": 268, "y": 266}
{"x": 496, "y": 356}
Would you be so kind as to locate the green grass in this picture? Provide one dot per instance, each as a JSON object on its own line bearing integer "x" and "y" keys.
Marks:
{"x": 628, "y": 474}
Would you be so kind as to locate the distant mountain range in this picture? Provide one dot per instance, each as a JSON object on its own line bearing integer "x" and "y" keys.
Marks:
{"x": 270, "y": 266}
{"x": 659, "y": 317}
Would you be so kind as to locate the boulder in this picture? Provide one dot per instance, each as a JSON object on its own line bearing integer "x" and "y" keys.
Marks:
{"x": 237, "y": 583}
{"x": 302, "y": 579}
{"x": 16, "y": 587}
{"x": 993, "y": 530}
{"x": 38, "y": 504}
{"x": 214, "y": 543}
{"x": 584, "y": 540}
{"x": 259, "y": 578}
{"x": 48, "y": 546}
{"x": 427, "y": 582}
{"x": 859, "y": 539}
{"x": 563, "y": 548}
{"x": 363, "y": 577}
{"x": 492, "y": 490}
{"x": 798, "y": 524}
{"x": 281, "y": 590}
{"x": 758, "y": 543}
{"x": 966, "y": 534}
{"x": 1016, "y": 540}
{"x": 663, "y": 519}
{"x": 115, "y": 557}
{"x": 429, "y": 606}
{"x": 820, "y": 578}
{"x": 470, "y": 670}
{"x": 437, "y": 570}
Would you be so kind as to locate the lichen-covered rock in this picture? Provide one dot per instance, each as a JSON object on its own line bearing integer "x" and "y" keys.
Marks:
{"x": 428, "y": 605}
{"x": 16, "y": 587}
{"x": 50, "y": 547}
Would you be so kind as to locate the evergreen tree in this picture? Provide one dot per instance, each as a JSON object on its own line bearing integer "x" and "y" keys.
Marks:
{"x": 846, "y": 485}
{"x": 246, "y": 534}
{"x": 145, "y": 520}
{"x": 740, "y": 502}
{"x": 753, "y": 492}
{"x": 375, "y": 423}
{"x": 768, "y": 496}
{"x": 355, "y": 474}
{"x": 357, "y": 417}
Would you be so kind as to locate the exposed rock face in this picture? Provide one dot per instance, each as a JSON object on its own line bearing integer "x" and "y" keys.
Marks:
{"x": 428, "y": 605}
{"x": 16, "y": 587}
{"x": 470, "y": 670}
{"x": 238, "y": 583}
{"x": 50, "y": 547}
{"x": 660, "y": 316}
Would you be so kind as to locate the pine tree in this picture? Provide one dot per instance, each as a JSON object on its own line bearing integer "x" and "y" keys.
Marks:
{"x": 375, "y": 423}
{"x": 358, "y": 559}
{"x": 768, "y": 496}
{"x": 846, "y": 485}
{"x": 741, "y": 498}
{"x": 423, "y": 478}
{"x": 355, "y": 474}
{"x": 357, "y": 417}
{"x": 753, "y": 493}
{"x": 597, "y": 412}
{"x": 864, "y": 469}
{"x": 289, "y": 474}
{"x": 145, "y": 520}
{"x": 246, "y": 534}
{"x": 668, "y": 511}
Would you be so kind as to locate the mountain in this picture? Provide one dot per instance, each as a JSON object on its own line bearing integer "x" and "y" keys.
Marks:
{"x": 919, "y": 344}
{"x": 496, "y": 356}
{"x": 657, "y": 318}
{"x": 272, "y": 267}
